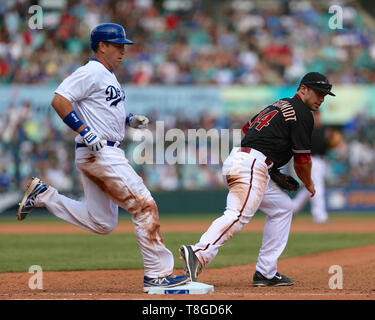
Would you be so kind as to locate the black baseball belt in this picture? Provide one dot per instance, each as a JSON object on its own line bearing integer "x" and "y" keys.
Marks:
{"x": 248, "y": 150}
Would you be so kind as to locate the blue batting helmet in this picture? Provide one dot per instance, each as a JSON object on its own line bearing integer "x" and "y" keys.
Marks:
{"x": 109, "y": 32}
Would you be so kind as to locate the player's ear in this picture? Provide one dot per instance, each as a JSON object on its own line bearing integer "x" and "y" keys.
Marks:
{"x": 101, "y": 46}
{"x": 303, "y": 89}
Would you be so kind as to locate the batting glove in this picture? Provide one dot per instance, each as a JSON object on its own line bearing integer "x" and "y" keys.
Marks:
{"x": 91, "y": 140}
{"x": 138, "y": 122}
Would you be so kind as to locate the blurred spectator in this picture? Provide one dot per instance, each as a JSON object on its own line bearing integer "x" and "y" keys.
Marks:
{"x": 271, "y": 42}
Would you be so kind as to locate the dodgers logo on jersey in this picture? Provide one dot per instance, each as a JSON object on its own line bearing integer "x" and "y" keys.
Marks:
{"x": 115, "y": 94}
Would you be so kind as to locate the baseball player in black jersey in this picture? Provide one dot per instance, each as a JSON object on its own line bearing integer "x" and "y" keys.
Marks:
{"x": 275, "y": 135}
{"x": 322, "y": 140}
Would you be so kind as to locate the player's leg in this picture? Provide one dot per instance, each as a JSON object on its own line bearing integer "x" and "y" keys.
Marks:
{"x": 278, "y": 208}
{"x": 126, "y": 188}
{"x": 157, "y": 259}
{"x": 77, "y": 212}
{"x": 246, "y": 188}
{"x": 318, "y": 203}
{"x": 98, "y": 213}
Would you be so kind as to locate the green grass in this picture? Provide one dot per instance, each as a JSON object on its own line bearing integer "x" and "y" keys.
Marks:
{"x": 42, "y": 216}
{"x": 121, "y": 251}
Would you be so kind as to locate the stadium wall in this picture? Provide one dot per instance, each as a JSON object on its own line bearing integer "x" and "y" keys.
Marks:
{"x": 350, "y": 100}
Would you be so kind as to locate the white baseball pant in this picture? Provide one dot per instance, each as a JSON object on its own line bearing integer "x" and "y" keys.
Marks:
{"x": 250, "y": 189}
{"x": 108, "y": 182}
{"x": 318, "y": 203}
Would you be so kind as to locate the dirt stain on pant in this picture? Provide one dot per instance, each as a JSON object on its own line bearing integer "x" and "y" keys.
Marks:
{"x": 238, "y": 189}
{"x": 236, "y": 201}
{"x": 144, "y": 209}
{"x": 148, "y": 218}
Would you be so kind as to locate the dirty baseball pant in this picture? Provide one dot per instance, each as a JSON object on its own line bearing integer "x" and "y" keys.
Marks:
{"x": 318, "y": 202}
{"x": 108, "y": 182}
{"x": 250, "y": 189}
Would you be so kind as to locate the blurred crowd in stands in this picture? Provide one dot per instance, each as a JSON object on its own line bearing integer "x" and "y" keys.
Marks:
{"x": 45, "y": 148}
{"x": 31, "y": 145}
{"x": 190, "y": 42}
{"x": 177, "y": 43}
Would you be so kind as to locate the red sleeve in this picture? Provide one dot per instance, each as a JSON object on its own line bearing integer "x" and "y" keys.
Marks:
{"x": 302, "y": 158}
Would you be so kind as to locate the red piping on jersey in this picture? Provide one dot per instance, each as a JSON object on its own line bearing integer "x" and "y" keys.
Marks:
{"x": 238, "y": 218}
{"x": 245, "y": 127}
{"x": 297, "y": 96}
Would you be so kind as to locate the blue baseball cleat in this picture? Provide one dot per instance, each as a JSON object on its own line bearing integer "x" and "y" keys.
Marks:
{"x": 27, "y": 204}
{"x": 166, "y": 282}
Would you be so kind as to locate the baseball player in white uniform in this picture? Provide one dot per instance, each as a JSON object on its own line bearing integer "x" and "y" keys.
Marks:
{"x": 275, "y": 135}
{"x": 108, "y": 180}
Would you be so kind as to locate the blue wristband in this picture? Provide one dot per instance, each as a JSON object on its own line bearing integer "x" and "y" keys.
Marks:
{"x": 73, "y": 121}
{"x": 84, "y": 131}
{"x": 128, "y": 118}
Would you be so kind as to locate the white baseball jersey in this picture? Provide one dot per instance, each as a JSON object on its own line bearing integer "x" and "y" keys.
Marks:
{"x": 99, "y": 99}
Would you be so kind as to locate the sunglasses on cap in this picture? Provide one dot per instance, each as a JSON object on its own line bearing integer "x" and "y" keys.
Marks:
{"x": 322, "y": 84}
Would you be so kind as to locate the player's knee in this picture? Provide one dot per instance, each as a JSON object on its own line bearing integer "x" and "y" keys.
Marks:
{"x": 146, "y": 210}
{"x": 231, "y": 214}
{"x": 150, "y": 206}
{"x": 234, "y": 215}
{"x": 106, "y": 228}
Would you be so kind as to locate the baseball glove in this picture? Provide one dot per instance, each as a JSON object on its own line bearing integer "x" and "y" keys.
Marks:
{"x": 284, "y": 181}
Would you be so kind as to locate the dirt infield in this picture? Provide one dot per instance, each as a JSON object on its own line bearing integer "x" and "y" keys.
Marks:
{"x": 342, "y": 225}
{"x": 311, "y": 272}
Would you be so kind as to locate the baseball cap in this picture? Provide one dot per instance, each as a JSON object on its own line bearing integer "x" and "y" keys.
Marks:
{"x": 317, "y": 81}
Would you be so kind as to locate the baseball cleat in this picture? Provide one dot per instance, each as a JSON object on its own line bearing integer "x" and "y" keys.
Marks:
{"x": 192, "y": 265}
{"x": 27, "y": 204}
{"x": 277, "y": 281}
{"x": 166, "y": 282}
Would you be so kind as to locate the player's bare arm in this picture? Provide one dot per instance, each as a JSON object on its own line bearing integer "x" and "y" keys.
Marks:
{"x": 303, "y": 171}
{"x": 63, "y": 107}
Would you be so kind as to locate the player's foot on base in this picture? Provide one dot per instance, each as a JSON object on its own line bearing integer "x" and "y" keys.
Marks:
{"x": 166, "y": 282}
{"x": 27, "y": 204}
{"x": 277, "y": 281}
{"x": 192, "y": 265}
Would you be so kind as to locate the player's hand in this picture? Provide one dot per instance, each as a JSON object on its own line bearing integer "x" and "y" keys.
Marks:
{"x": 91, "y": 140}
{"x": 138, "y": 122}
{"x": 311, "y": 188}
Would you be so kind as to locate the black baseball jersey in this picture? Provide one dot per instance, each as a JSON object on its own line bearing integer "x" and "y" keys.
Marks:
{"x": 280, "y": 130}
{"x": 318, "y": 141}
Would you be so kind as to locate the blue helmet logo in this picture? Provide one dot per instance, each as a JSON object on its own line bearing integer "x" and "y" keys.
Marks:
{"x": 109, "y": 32}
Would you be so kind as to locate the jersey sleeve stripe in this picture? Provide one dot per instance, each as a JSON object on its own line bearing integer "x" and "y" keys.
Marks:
{"x": 301, "y": 151}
